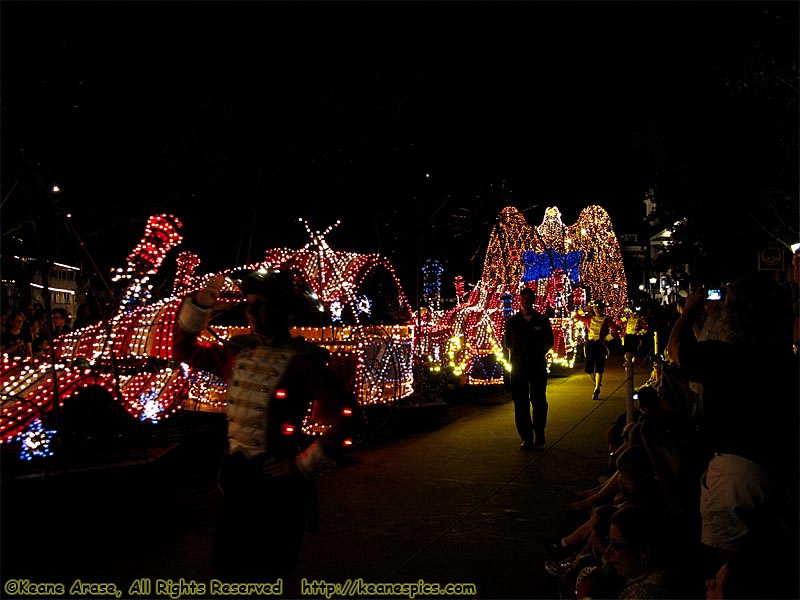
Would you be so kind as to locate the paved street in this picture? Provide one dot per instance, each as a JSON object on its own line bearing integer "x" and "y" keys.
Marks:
{"x": 444, "y": 500}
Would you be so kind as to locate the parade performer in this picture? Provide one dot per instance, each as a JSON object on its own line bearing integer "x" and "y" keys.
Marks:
{"x": 267, "y": 473}
{"x": 632, "y": 327}
{"x": 600, "y": 329}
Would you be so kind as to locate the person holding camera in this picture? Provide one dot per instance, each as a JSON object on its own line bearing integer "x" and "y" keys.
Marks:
{"x": 748, "y": 495}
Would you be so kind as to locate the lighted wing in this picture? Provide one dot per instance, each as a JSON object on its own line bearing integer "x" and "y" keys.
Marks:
{"x": 601, "y": 270}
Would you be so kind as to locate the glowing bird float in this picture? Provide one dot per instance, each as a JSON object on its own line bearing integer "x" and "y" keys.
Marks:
{"x": 566, "y": 266}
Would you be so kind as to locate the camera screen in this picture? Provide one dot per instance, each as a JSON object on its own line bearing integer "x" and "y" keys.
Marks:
{"x": 714, "y": 295}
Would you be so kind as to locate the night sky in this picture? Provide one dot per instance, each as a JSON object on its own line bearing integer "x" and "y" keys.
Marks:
{"x": 413, "y": 123}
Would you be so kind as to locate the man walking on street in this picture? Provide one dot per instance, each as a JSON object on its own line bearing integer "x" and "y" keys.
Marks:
{"x": 529, "y": 337}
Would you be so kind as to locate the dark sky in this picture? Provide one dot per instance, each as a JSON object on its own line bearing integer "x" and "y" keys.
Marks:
{"x": 413, "y": 123}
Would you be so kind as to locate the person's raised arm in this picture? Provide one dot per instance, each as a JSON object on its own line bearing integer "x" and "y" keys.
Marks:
{"x": 192, "y": 318}
{"x": 683, "y": 330}
{"x": 196, "y": 309}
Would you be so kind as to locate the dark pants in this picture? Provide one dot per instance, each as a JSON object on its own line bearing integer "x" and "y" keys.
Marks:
{"x": 529, "y": 393}
{"x": 261, "y": 525}
{"x": 596, "y": 354}
{"x": 631, "y": 343}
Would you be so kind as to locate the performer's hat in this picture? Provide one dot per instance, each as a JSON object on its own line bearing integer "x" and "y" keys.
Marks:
{"x": 285, "y": 289}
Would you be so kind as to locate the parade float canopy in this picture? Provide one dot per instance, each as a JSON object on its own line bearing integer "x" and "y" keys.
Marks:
{"x": 367, "y": 329}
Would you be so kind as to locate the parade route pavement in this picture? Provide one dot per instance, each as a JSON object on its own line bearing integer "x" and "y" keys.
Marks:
{"x": 449, "y": 499}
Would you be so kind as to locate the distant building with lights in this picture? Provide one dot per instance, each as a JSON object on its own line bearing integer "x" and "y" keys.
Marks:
{"x": 59, "y": 288}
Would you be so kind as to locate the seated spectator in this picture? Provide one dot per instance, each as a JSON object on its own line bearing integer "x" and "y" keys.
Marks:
{"x": 43, "y": 317}
{"x": 650, "y": 407}
{"x": 30, "y": 314}
{"x": 636, "y": 485}
{"x": 60, "y": 325}
{"x": 615, "y": 437}
{"x": 8, "y": 312}
{"x": 639, "y": 548}
{"x": 15, "y": 340}
{"x": 598, "y": 581}
{"x": 589, "y": 557}
{"x": 599, "y": 522}
{"x": 39, "y": 341}
{"x": 83, "y": 316}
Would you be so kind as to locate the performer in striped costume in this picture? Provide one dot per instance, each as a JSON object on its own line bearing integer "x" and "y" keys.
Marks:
{"x": 268, "y": 470}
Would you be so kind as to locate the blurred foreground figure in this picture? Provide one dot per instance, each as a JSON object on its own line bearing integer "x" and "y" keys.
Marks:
{"x": 267, "y": 474}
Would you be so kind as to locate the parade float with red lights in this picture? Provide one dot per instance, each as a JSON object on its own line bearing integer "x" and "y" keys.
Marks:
{"x": 369, "y": 333}
{"x": 566, "y": 266}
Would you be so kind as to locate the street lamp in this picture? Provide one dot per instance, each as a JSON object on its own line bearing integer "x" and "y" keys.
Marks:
{"x": 653, "y": 282}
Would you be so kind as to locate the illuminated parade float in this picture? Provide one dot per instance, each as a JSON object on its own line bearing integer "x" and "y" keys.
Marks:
{"x": 378, "y": 346}
{"x": 368, "y": 331}
{"x": 566, "y": 266}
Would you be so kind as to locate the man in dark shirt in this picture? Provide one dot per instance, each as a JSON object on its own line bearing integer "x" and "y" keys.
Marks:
{"x": 529, "y": 337}
{"x": 59, "y": 322}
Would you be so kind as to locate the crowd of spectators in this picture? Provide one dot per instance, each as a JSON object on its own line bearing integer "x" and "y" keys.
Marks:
{"x": 27, "y": 332}
{"x": 701, "y": 494}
